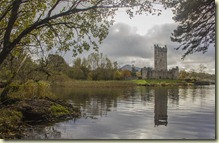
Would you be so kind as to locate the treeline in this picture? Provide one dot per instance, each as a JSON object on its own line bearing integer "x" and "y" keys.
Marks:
{"x": 194, "y": 75}
{"x": 95, "y": 67}
{"x": 54, "y": 68}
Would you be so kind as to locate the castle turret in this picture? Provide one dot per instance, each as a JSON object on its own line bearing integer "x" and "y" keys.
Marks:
{"x": 160, "y": 58}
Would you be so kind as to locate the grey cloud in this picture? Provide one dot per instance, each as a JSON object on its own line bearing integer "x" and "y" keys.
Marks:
{"x": 124, "y": 41}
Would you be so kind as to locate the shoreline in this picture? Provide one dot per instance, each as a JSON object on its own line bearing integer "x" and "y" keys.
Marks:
{"x": 163, "y": 82}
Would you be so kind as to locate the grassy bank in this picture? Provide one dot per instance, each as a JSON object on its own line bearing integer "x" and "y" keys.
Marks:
{"x": 160, "y": 82}
{"x": 123, "y": 83}
{"x": 94, "y": 84}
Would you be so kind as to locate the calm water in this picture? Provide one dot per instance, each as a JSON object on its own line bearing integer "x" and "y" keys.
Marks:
{"x": 136, "y": 113}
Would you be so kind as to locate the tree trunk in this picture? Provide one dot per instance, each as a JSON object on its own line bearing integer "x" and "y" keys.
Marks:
{"x": 3, "y": 55}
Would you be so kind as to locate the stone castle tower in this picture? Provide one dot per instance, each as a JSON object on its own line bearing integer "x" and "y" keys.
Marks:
{"x": 160, "y": 58}
{"x": 160, "y": 70}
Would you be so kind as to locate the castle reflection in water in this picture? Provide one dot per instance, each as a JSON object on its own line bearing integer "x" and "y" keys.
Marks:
{"x": 160, "y": 104}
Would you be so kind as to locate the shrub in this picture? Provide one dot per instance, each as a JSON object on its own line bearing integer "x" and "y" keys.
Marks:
{"x": 58, "y": 110}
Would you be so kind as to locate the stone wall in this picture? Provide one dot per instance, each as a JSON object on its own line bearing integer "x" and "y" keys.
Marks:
{"x": 148, "y": 73}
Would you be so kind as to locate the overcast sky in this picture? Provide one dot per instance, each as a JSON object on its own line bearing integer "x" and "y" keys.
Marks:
{"x": 130, "y": 41}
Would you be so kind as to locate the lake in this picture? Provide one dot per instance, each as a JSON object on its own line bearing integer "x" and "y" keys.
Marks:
{"x": 136, "y": 113}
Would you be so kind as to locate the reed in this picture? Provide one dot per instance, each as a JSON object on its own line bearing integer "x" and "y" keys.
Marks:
{"x": 94, "y": 84}
{"x": 31, "y": 89}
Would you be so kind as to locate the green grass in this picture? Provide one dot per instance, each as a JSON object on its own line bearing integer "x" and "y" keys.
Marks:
{"x": 162, "y": 82}
{"x": 58, "y": 110}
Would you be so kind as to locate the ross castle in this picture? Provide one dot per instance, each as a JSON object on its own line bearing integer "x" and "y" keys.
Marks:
{"x": 160, "y": 66}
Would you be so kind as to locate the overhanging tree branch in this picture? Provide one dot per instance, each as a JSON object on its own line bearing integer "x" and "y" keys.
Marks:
{"x": 197, "y": 26}
{"x": 12, "y": 19}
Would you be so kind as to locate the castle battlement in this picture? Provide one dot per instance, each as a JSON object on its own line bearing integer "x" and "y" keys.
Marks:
{"x": 160, "y": 49}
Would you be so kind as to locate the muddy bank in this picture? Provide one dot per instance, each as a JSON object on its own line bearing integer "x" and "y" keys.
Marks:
{"x": 17, "y": 115}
